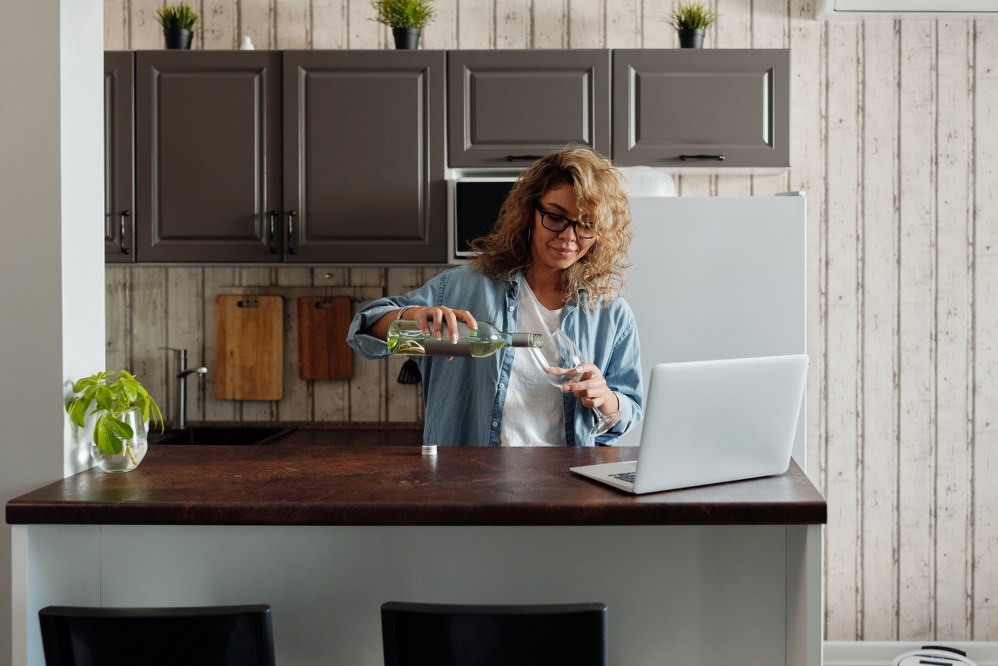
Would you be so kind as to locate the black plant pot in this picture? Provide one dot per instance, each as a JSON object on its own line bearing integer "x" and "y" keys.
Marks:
{"x": 691, "y": 39}
{"x": 178, "y": 39}
{"x": 406, "y": 38}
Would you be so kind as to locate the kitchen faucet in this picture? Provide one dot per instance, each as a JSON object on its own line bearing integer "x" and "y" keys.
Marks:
{"x": 180, "y": 404}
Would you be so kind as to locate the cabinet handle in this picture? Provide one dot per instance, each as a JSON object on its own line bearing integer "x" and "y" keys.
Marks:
{"x": 719, "y": 158}
{"x": 291, "y": 232}
{"x": 514, "y": 158}
{"x": 121, "y": 232}
{"x": 272, "y": 231}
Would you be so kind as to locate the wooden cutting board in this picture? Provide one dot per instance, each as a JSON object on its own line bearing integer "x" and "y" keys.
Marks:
{"x": 323, "y": 352}
{"x": 249, "y": 347}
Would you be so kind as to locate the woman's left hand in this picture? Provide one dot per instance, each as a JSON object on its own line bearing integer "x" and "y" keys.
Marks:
{"x": 591, "y": 388}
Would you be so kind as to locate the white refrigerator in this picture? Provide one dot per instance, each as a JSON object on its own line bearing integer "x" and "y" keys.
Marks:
{"x": 718, "y": 277}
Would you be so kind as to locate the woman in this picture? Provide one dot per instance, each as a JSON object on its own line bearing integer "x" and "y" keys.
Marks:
{"x": 555, "y": 258}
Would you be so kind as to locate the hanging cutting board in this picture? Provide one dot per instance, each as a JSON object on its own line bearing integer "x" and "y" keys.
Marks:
{"x": 323, "y": 352}
{"x": 249, "y": 347}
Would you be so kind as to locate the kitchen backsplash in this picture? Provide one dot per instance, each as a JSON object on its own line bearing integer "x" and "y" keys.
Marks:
{"x": 150, "y": 309}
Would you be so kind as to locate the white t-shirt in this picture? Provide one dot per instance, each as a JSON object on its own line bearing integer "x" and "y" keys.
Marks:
{"x": 533, "y": 414}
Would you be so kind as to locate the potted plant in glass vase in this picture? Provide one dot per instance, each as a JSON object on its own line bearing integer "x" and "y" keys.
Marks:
{"x": 178, "y": 23}
{"x": 113, "y": 408}
{"x": 691, "y": 22}
{"x": 406, "y": 18}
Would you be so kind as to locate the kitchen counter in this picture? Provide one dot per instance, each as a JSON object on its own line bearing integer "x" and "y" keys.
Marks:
{"x": 354, "y": 434}
{"x": 284, "y": 484}
{"x": 301, "y": 433}
{"x": 325, "y": 534}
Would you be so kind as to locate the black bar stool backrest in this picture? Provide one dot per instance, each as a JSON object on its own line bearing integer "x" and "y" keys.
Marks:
{"x": 417, "y": 634}
{"x": 198, "y": 636}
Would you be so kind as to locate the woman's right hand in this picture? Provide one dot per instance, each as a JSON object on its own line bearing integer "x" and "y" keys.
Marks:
{"x": 436, "y": 319}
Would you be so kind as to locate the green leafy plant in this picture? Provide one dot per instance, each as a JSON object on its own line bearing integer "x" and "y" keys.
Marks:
{"x": 403, "y": 13}
{"x": 110, "y": 395}
{"x": 692, "y": 16}
{"x": 177, "y": 17}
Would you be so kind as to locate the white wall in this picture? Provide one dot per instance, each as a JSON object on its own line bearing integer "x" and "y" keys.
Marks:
{"x": 51, "y": 175}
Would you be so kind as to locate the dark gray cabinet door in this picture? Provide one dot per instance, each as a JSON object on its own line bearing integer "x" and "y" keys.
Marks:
{"x": 508, "y": 107}
{"x": 208, "y": 137}
{"x": 119, "y": 190}
{"x": 363, "y": 156}
{"x": 711, "y": 108}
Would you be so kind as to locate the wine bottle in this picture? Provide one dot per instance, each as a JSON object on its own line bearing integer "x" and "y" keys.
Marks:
{"x": 406, "y": 337}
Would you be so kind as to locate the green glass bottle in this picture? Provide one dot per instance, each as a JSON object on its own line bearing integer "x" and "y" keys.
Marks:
{"x": 406, "y": 337}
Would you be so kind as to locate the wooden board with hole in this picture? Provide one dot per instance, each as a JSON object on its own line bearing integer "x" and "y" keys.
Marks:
{"x": 249, "y": 347}
{"x": 323, "y": 352}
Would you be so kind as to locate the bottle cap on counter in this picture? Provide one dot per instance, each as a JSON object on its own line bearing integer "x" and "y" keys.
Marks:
{"x": 429, "y": 449}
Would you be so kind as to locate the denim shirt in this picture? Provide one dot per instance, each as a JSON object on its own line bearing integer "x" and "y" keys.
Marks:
{"x": 464, "y": 397}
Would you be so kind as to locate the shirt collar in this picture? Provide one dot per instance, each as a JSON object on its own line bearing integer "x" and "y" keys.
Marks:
{"x": 514, "y": 287}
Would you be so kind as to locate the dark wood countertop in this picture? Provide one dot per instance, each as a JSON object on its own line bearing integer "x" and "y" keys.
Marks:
{"x": 395, "y": 485}
{"x": 304, "y": 433}
{"x": 392, "y": 434}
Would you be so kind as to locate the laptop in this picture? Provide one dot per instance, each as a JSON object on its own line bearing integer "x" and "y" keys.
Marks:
{"x": 713, "y": 421}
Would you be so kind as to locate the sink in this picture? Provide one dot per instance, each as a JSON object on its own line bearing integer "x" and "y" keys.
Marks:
{"x": 237, "y": 435}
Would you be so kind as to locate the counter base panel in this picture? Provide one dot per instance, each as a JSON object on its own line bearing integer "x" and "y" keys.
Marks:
{"x": 675, "y": 594}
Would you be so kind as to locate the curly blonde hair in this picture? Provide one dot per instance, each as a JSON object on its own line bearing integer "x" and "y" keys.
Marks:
{"x": 602, "y": 202}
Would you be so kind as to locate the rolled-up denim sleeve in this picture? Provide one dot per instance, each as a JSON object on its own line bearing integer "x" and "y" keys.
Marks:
{"x": 366, "y": 345}
{"x": 372, "y": 347}
{"x": 623, "y": 376}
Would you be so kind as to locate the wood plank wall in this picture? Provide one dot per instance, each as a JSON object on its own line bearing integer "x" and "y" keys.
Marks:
{"x": 893, "y": 138}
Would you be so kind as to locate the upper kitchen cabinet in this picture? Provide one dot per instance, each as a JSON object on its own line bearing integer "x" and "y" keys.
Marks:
{"x": 702, "y": 108}
{"x": 208, "y": 141}
{"x": 119, "y": 190}
{"x": 364, "y": 156}
{"x": 295, "y": 156}
{"x": 506, "y": 108}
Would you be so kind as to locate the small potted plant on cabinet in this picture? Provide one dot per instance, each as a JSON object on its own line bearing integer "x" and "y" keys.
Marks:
{"x": 691, "y": 21}
{"x": 406, "y": 18}
{"x": 178, "y": 23}
{"x": 113, "y": 409}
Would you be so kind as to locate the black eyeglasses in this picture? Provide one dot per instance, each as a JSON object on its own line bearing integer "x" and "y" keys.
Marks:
{"x": 558, "y": 223}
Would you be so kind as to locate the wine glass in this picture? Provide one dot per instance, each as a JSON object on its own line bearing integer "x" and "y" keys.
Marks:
{"x": 559, "y": 359}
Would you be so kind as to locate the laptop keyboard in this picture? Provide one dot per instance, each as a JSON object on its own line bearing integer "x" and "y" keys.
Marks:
{"x": 625, "y": 476}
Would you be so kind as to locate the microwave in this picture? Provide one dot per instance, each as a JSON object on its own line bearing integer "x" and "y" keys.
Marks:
{"x": 473, "y": 207}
